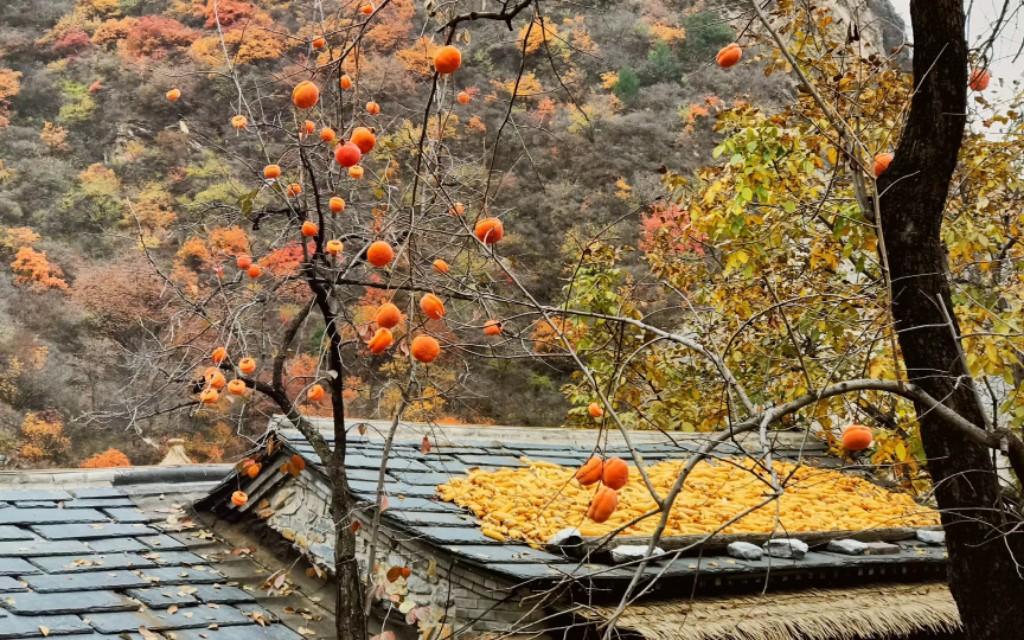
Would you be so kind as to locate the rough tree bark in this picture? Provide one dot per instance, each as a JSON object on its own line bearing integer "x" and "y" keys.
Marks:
{"x": 984, "y": 577}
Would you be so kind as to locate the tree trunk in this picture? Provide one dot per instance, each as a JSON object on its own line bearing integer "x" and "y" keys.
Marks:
{"x": 349, "y": 620}
{"x": 983, "y": 575}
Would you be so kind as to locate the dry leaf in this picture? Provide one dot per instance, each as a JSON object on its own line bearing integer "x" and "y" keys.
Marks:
{"x": 148, "y": 635}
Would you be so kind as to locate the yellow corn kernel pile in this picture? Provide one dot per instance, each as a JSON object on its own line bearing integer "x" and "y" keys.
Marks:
{"x": 533, "y": 503}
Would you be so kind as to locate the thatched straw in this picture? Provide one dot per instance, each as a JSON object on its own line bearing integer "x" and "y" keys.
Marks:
{"x": 879, "y": 611}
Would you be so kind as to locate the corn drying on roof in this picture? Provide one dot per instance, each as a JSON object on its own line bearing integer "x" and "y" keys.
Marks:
{"x": 533, "y": 503}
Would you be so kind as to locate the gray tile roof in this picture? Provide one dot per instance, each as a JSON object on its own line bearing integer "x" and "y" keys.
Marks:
{"x": 414, "y": 513}
{"x": 88, "y": 564}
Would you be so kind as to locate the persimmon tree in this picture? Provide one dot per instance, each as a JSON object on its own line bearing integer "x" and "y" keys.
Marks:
{"x": 797, "y": 272}
{"x": 770, "y": 291}
{"x": 339, "y": 201}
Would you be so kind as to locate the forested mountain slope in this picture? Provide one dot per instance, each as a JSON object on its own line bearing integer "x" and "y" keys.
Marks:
{"x": 96, "y": 162}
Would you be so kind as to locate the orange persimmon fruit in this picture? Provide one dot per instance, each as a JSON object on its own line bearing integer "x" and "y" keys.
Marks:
{"x": 881, "y": 163}
{"x": 603, "y": 505}
{"x": 425, "y": 348}
{"x": 432, "y": 306}
{"x": 247, "y": 365}
{"x": 380, "y": 253}
{"x": 363, "y": 138}
{"x": 492, "y": 328}
{"x": 979, "y": 79}
{"x": 305, "y": 95}
{"x": 315, "y": 393}
{"x": 348, "y": 154}
{"x": 590, "y": 472}
{"x": 857, "y": 437}
{"x": 615, "y": 473}
{"x": 489, "y": 230}
{"x": 728, "y": 55}
{"x": 388, "y": 316}
{"x": 381, "y": 341}
{"x": 447, "y": 59}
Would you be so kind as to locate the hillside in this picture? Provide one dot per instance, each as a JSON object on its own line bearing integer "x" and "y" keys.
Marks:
{"x": 96, "y": 162}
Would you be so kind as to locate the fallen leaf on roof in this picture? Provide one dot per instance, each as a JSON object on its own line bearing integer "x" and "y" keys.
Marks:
{"x": 306, "y": 631}
{"x": 44, "y": 630}
{"x": 148, "y": 635}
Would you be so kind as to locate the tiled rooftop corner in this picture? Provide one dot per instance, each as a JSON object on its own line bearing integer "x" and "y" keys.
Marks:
{"x": 91, "y": 555}
{"x": 439, "y": 541}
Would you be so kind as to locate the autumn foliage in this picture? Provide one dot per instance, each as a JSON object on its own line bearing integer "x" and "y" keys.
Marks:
{"x": 109, "y": 458}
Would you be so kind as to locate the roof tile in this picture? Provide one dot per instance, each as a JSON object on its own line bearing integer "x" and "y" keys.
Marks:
{"x": 12, "y": 626}
{"x": 250, "y": 632}
{"x": 91, "y": 562}
{"x": 11, "y": 495}
{"x": 157, "y": 620}
{"x": 116, "y": 545}
{"x": 49, "y": 516}
{"x": 68, "y": 602}
{"x": 40, "y": 547}
{"x": 15, "y": 567}
{"x": 92, "y": 531}
{"x": 9, "y": 532}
